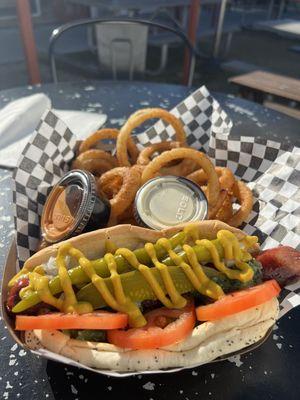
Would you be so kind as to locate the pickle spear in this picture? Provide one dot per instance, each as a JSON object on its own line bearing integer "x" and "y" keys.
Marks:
{"x": 137, "y": 288}
{"x": 78, "y": 277}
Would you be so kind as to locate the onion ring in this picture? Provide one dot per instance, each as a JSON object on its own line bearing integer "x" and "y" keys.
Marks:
{"x": 106, "y": 178}
{"x": 213, "y": 186}
{"x": 97, "y": 136}
{"x": 225, "y": 212}
{"x": 184, "y": 168}
{"x": 245, "y": 199}
{"x": 107, "y": 133}
{"x": 138, "y": 118}
{"x": 223, "y": 209}
{"x": 110, "y": 182}
{"x": 226, "y": 177}
{"x": 112, "y": 188}
{"x": 95, "y": 166}
{"x": 180, "y": 169}
{"x": 128, "y": 214}
{"x": 212, "y": 212}
{"x": 131, "y": 180}
{"x": 145, "y": 155}
{"x": 96, "y": 154}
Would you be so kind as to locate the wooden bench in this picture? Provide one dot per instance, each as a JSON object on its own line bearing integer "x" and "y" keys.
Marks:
{"x": 287, "y": 27}
{"x": 292, "y": 112}
{"x": 239, "y": 67}
{"x": 257, "y": 84}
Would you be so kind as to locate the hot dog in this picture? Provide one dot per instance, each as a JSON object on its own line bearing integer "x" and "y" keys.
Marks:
{"x": 206, "y": 287}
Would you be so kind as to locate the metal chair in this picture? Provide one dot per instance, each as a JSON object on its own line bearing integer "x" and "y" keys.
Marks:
{"x": 56, "y": 34}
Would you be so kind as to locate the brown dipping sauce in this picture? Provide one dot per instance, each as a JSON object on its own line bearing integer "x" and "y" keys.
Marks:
{"x": 74, "y": 207}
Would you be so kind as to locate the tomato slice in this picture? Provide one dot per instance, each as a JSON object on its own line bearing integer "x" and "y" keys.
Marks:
{"x": 95, "y": 320}
{"x": 238, "y": 301}
{"x": 164, "y": 327}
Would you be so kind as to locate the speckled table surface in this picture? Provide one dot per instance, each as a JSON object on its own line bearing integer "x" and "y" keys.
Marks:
{"x": 269, "y": 372}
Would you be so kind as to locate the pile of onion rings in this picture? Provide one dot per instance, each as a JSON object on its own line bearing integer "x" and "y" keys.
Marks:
{"x": 121, "y": 172}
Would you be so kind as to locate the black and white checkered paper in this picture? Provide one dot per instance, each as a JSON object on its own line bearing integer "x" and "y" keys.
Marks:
{"x": 272, "y": 170}
{"x": 44, "y": 160}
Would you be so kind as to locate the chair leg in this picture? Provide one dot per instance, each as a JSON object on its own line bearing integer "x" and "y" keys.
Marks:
{"x": 185, "y": 15}
{"x": 130, "y": 59}
{"x": 90, "y": 30}
{"x": 163, "y": 61}
{"x": 214, "y": 15}
{"x": 258, "y": 96}
{"x": 191, "y": 71}
{"x": 164, "y": 56}
{"x": 281, "y": 8}
{"x": 219, "y": 29}
{"x": 270, "y": 9}
{"x": 90, "y": 39}
{"x": 228, "y": 43}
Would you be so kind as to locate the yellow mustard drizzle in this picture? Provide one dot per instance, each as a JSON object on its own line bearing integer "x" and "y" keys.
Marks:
{"x": 191, "y": 231}
{"x": 24, "y": 272}
{"x": 39, "y": 270}
{"x": 175, "y": 300}
{"x": 40, "y": 284}
{"x": 110, "y": 246}
{"x": 194, "y": 271}
{"x": 135, "y": 316}
{"x": 249, "y": 242}
{"x": 15, "y": 278}
{"x": 70, "y": 303}
{"x": 65, "y": 281}
{"x": 233, "y": 252}
{"x": 232, "y": 248}
{"x": 33, "y": 276}
{"x": 119, "y": 303}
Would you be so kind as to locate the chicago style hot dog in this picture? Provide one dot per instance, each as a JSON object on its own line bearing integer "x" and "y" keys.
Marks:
{"x": 132, "y": 299}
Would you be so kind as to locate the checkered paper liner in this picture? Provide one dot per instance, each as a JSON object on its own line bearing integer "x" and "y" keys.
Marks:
{"x": 272, "y": 170}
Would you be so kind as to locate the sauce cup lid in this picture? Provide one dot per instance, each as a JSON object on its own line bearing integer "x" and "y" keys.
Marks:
{"x": 69, "y": 206}
{"x": 168, "y": 201}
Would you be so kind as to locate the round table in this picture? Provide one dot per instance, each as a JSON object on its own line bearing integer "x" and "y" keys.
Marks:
{"x": 269, "y": 372}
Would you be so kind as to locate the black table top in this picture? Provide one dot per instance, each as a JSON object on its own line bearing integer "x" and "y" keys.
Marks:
{"x": 269, "y": 372}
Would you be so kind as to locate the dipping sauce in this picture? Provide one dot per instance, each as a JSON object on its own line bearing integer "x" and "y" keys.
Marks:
{"x": 73, "y": 207}
{"x": 168, "y": 201}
